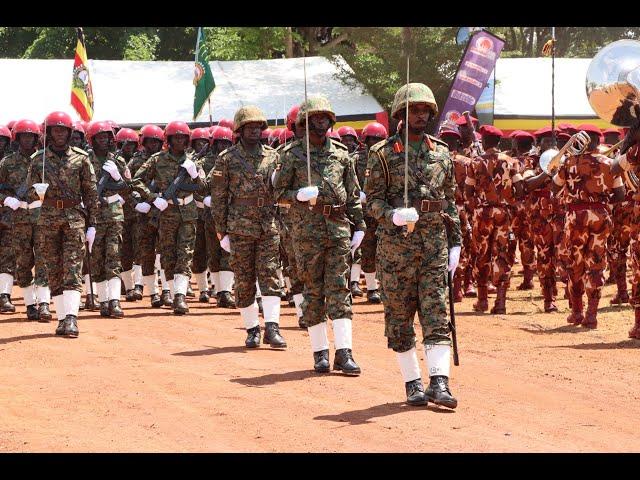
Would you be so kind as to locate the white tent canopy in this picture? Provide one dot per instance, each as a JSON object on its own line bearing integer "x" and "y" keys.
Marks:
{"x": 136, "y": 92}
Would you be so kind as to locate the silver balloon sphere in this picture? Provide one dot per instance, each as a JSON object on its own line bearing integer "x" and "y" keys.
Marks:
{"x": 613, "y": 82}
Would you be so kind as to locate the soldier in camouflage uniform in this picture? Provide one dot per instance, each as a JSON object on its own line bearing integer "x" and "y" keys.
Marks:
{"x": 7, "y": 259}
{"x": 320, "y": 215}
{"x": 107, "y": 249}
{"x": 244, "y": 211}
{"x": 494, "y": 180}
{"x": 25, "y": 234}
{"x": 412, "y": 266}
{"x": 70, "y": 182}
{"x": 587, "y": 180}
{"x": 177, "y": 224}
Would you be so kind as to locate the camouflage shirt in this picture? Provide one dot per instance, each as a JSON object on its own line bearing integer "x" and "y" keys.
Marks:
{"x": 75, "y": 180}
{"x": 332, "y": 171}
{"x": 431, "y": 177}
{"x": 110, "y": 212}
{"x": 14, "y": 169}
{"x": 461, "y": 171}
{"x": 492, "y": 176}
{"x": 586, "y": 178}
{"x": 360, "y": 158}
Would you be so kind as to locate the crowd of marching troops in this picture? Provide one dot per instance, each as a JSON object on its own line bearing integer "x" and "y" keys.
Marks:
{"x": 298, "y": 214}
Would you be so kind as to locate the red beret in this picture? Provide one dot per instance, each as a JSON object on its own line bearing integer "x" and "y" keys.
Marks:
{"x": 564, "y": 135}
{"x": 543, "y": 132}
{"x": 589, "y": 128}
{"x": 519, "y": 134}
{"x": 491, "y": 130}
{"x": 462, "y": 120}
{"x": 612, "y": 130}
{"x": 567, "y": 127}
{"x": 450, "y": 133}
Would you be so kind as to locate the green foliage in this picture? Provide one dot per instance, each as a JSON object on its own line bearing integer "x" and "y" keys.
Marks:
{"x": 141, "y": 46}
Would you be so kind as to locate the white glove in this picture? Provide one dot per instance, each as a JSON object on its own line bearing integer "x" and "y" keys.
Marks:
{"x": 120, "y": 199}
{"x": 143, "y": 207}
{"x": 91, "y": 236}
{"x": 358, "y": 235}
{"x": 190, "y": 167}
{"x": 160, "y": 203}
{"x": 207, "y": 201}
{"x": 403, "y": 215}
{"x": 225, "y": 243}
{"x": 363, "y": 197}
{"x": 454, "y": 258}
{"x": 112, "y": 169}
{"x": 12, "y": 203}
{"x": 307, "y": 193}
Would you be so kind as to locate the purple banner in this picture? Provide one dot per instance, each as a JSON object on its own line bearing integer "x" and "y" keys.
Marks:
{"x": 474, "y": 71}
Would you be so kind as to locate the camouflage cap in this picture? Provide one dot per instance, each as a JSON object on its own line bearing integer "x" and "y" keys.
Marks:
{"x": 317, "y": 104}
{"x": 418, "y": 93}
{"x": 248, "y": 114}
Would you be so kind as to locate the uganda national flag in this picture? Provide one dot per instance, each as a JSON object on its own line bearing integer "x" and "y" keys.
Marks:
{"x": 203, "y": 78}
{"x": 81, "y": 91}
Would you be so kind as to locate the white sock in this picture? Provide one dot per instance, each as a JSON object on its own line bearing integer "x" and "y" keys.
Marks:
{"x": 298, "y": 298}
{"x": 137, "y": 275}
{"x": 127, "y": 279}
{"x": 151, "y": 283}
{"x": 6, "y": 283}
{"x": 163, "y": 280}
{"x": 355, "y": 272}
{"x": 342, "y": 333}
{"x": 280, "y": 276}
{"x": 287, "y": 283}
{"x": 201, "y": 280}
{"x": 215, "y": 279}
{"x": 102, "y": 290}
{"x": 58, "y": 303}
{"x": 258, "y": 292}
{"x": 372, "y": 283}
{"x": 250, "y": 316}
{"x": 158, "y": 265}
{"x": 114, "y": 288}
{"x": 409, "y": 365}
{"x": 71, "y": 302}
{"x": 271, "y": 308}
{"x": 87, "y": 287}
{"x": 180, "y": 283}
{"x": 43, "y": 294}
{"x": 226, "y": 281}
{"x": 170, "y": 287}
{"x": 318, "y": 336}
{"x": 29, "y": 294}
{"x": 438, "y": 360}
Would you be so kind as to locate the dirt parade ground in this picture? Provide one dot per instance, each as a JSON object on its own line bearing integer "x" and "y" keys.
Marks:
{"x": 155, "y": 382}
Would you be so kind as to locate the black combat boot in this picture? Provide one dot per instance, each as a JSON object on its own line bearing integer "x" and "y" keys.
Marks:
{"x": 225, "y": 300}
{"x": 415, "y": 392}
{"x": 253, "y": 337}
{"x": 204, "y": 297}
{"x": 355, "y": 290}
{"x": 90, "y": 302}
{"x": 344, "y": 361}
{"x": 61, "y": 327}
{"x": 190, "y": 292}
{"x": 373, "y": 296}
{"x": 321, "y": 361}
{"x": 71, "y": 326}
{"x": 130, "y": 296}
{"x": 439, "y": 393}
{"x": 180, "y": 306}
{"x": 44, "y": 314}
{"x": 104, "y": 309}
{"x": 156, "y": 301}
{"x": 167, "y": 301}
{"x": 115, "y": 310}
{"x": 138, "y": 291}
{"x": 32, "y": 312}
{"x": 301, "y": 323}
{"x": 5, "y": 304}
{"x": 272, "y": 335}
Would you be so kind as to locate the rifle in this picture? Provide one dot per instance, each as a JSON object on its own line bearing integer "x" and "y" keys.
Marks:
{"x": 452, "y": 321}
{"x": 107, "y": 182}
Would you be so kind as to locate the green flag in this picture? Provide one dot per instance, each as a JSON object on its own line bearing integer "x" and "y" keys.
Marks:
{"x": 203, "y": 78}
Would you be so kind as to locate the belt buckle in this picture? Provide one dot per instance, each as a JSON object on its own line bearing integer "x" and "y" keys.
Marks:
{"x": 422, "y": 202}
{"x": 326, "y": 210}
{"x": 60, "y": 204}
{"x": 260, "y": 202}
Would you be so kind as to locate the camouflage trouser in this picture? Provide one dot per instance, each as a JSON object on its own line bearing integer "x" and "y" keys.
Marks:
{"x": 491, "y": 227}
{"x": 286, "y": 246}
{"x": 585, "y": 249}
{"x": 369, "y": 245}
{"x": 199, "y": 263}
{"x": 177, "y": 239}
{"x": 63, "y": 250}
{"x": 252, "y": 259}
{"x": 465, "y": 251}
{"x": 7, "y": 259}
{"x": 146, "y": 248}
{"x": 521, "y": 228}
{"x": 620, "y": 238}
{"x": 413, "y": 276}
{"x": 324, "y": 273}
{"x": 106, "y": 251}
{"x": 27, "y": 249}
{"x": 469, "y": 248}
{"x": 635, "y": 255}
{"x": 218, "y": 259}
{"x": 129, "y": 243}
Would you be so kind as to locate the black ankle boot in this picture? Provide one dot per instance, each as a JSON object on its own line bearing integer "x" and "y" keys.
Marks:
{"x": 180, "y": 306}
{"x": 272, "y": 335}
{"x": 321, "y": 361}
{"x": 253, "y": 337}
{"x": 167, "y": 301}
{"x": 71, "y": 326}
{"x": 44, "y": 314}
{"x": 138, "y": 291}
{"x": 32, "y": 312}
{"x": 344, "y": 361}
{"x": 439, "y": 393}
{"x": 104, "y": 309}
{"x": 415, "y": 392}
{"x": 225, "y": 300}
{"x": 115, "y": 310}
{"x": 156, "y": 301}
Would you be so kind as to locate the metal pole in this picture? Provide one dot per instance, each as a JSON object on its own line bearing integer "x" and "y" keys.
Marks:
{"x": 312, "y": 202}
{"x": 553, "y": 84}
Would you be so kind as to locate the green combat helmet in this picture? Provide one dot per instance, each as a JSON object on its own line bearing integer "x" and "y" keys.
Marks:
{"x": 317, "y": 104}
{"x": 248, "y": 114}
{"x": 418, "y": 93}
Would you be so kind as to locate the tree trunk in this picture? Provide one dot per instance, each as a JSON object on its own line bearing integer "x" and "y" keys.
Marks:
{"x": 288, "y": 43}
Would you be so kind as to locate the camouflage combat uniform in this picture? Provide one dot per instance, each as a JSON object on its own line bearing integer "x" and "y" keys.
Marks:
{"x": 460, "y": 170}
{"x": 521, "y": 228}
{"x": 369, "y": 242}
{"x": 618, "y": 245}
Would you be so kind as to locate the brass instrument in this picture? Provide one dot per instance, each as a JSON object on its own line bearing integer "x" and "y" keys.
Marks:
{"x": 552, "y": 159}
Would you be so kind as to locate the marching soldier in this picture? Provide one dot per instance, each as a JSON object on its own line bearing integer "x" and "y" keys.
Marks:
{"x": 495, "y": 181}
{"x": 177, "y": 224}
{"x": 69, "y": 181}
{"x": 587, "y": 180}
{"x": 25, "y": 235}
{"x": 7, "y": 260}
{"x": 413, "y": 266}
{"x": 242, "y": 207}
{"x": 78, "y": 136}
{"x": 349, "y": 138}
{"x": 321, "y": 230}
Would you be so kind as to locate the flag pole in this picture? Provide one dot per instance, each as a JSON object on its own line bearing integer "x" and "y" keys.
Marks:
{"x": 210, "y": 117}
{"x": 553, "y": 84}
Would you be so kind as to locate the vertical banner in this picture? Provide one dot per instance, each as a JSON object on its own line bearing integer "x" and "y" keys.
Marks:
{"x": 474, "y": 71}
{"x": 81, "y": 91}
{"x": 202, "y": 78}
